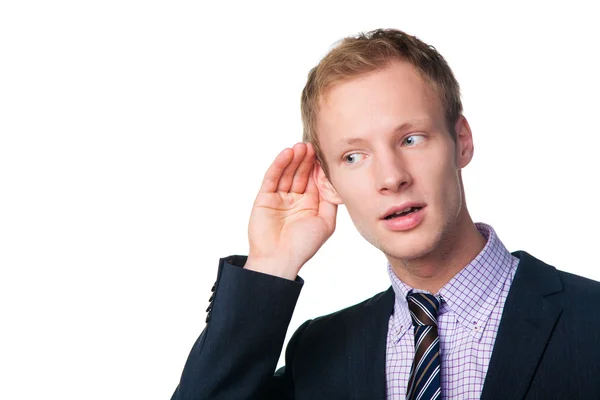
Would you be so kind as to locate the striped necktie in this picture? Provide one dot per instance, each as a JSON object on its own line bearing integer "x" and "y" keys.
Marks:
{"x": 424, "y": 382}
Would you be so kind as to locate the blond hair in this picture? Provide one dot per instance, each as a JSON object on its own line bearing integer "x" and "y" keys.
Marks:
{"x": 372, "y": 51}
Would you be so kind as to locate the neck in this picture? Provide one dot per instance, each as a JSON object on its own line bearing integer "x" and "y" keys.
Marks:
{"x": 432, "y": 271}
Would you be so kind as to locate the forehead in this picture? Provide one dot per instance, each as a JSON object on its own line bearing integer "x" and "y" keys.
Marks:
{"x": 377, "y": 103}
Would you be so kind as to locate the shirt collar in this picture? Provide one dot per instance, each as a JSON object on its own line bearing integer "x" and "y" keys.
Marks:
{"x": 471, "y": 294}
{"x": 401, "y": 319}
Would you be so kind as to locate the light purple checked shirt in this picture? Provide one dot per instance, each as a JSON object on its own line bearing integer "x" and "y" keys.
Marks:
{"x": 468, "y": 320}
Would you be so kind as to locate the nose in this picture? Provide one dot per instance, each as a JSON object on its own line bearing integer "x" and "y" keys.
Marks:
{"x": 391, "y": 174}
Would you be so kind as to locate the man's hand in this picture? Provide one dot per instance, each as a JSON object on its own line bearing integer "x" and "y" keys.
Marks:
{"x": 289, "y": 220}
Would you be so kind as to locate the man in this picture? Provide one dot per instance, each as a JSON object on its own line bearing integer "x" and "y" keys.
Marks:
{"x": 464, "y": 318}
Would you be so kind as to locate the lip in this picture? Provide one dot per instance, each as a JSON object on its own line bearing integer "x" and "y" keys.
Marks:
{"x": 405, "y": 223}
{"x": 401, "y": 207}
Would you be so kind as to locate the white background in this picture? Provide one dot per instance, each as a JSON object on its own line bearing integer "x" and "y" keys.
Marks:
{"x": 135, "y": 134}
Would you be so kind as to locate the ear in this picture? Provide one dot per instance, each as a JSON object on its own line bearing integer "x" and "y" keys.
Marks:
{"x": 464, "y": 142}
{"x": 326, "y": 189}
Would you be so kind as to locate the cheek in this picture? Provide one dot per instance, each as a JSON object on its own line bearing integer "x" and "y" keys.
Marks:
{"x": 440, "y": 181}
{"x": 450, "y": 193}
{"x": 353, "y": 197}
{"x": 354, "y": 191}
{"x": 348, "y": 184}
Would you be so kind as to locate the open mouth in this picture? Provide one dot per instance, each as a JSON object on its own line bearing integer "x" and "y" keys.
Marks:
{"x": 403, "y": 213}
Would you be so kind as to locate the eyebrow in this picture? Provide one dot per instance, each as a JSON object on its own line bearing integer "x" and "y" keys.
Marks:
{"x": 402, "y": 127}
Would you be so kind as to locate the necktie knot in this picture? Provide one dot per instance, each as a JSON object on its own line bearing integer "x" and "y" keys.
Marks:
{"x": 423, "y": 308}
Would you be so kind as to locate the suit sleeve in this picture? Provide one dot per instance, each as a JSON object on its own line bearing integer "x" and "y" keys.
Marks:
{"x": 236, "y": 354}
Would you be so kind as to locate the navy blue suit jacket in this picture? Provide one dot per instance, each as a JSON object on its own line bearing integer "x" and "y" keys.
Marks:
{"x": 547, "y": 347}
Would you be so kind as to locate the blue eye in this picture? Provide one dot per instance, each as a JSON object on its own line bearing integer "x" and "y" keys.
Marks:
{"x": 412, "y": 136}
{"x": 352, "y": 158}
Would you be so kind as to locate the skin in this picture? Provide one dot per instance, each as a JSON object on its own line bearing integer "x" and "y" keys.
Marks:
{"x": 290, "y": 221}
{"x": 385, "y": 141}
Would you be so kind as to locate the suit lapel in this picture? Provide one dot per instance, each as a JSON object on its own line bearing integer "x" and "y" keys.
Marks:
{"x": 367, "y": 348}
{"x": 526, "y": 325}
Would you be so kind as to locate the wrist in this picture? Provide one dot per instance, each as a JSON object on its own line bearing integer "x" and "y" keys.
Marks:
{"x": 273, "y": 267}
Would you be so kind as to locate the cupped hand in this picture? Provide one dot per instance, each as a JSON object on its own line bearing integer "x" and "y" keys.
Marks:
{"x": 289, "y": 221}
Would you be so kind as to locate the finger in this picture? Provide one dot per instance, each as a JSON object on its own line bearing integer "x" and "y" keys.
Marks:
{"x": 301, "y": 177}
{"x": 273, "y": 174}
{"x": 285, "y": 183}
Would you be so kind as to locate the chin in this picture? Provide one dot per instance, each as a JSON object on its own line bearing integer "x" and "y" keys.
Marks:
{"x": 408, "y": 245}
{"x": 408, "y": 253}
{"x": 408, "y": 248}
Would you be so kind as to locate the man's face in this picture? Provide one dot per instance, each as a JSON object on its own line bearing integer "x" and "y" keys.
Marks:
{"x": 384, "y": 138}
